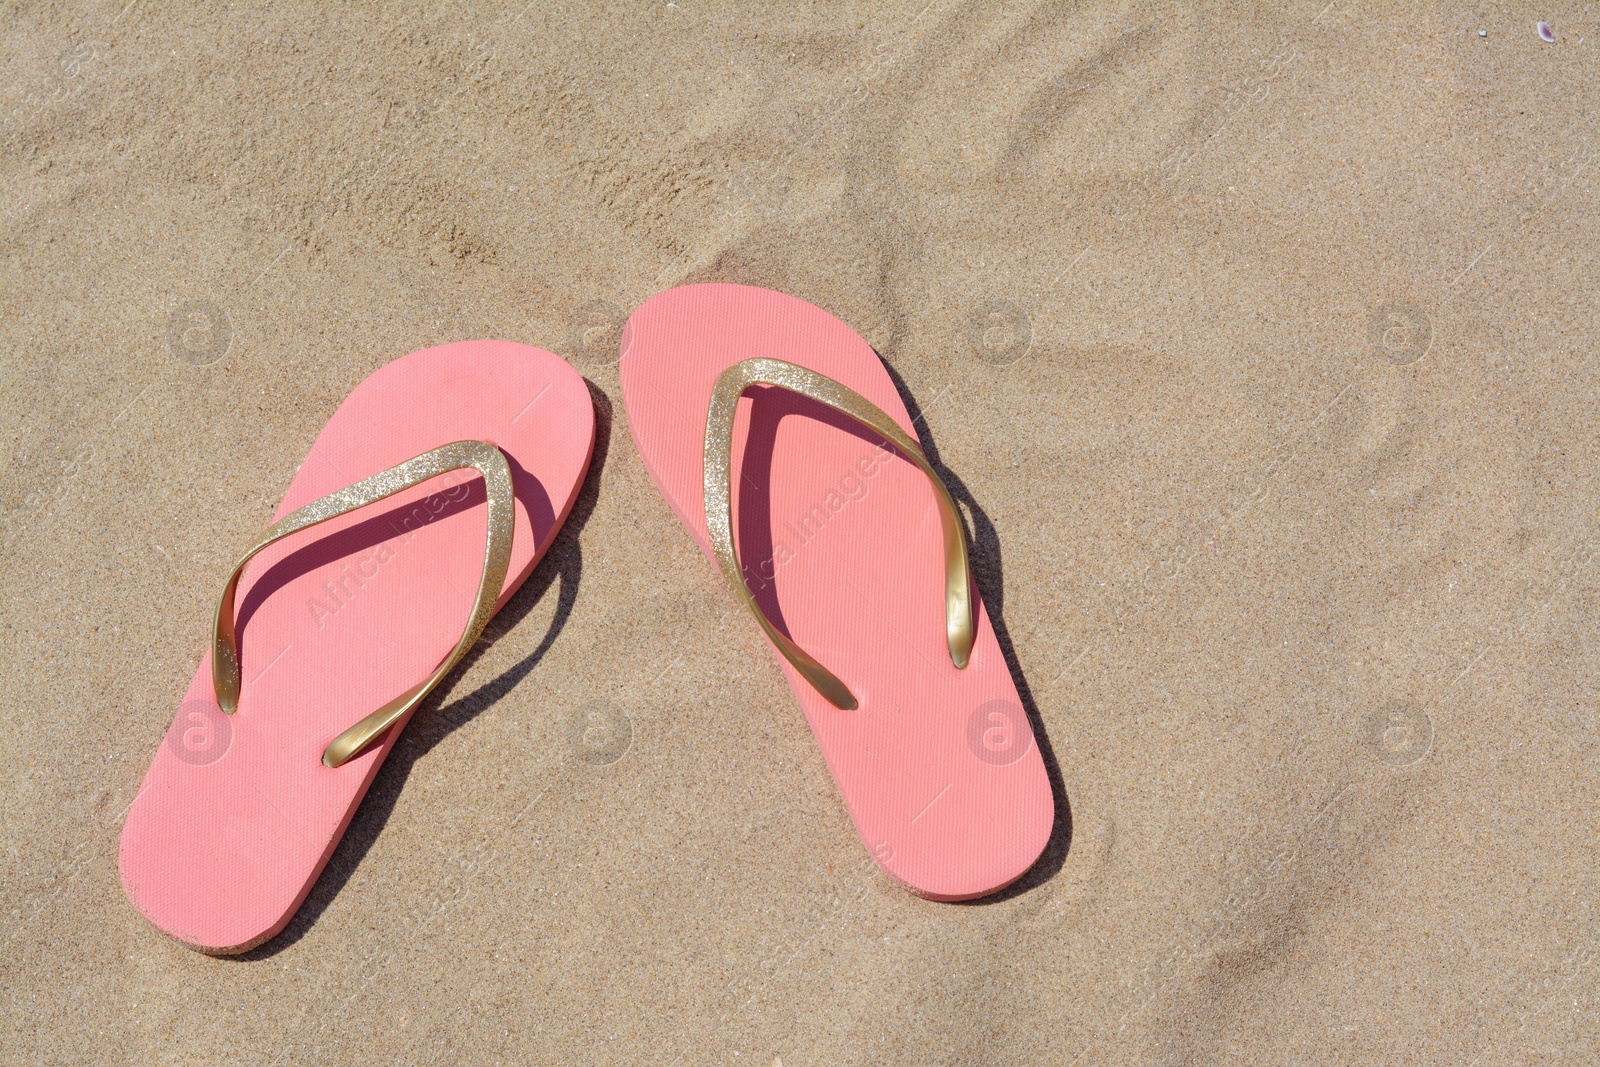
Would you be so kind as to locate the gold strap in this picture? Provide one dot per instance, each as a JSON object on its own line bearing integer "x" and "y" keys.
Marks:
{"x": 483, "y": 457}
{"x": 731, "y": 384}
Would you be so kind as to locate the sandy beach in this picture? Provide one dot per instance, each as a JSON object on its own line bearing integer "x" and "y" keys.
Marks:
{"x": 1260, "y": 346}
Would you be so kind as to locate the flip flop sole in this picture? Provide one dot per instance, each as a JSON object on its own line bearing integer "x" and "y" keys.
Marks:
{"x": 237, "y": 815}
{"x": 840, "y": 542}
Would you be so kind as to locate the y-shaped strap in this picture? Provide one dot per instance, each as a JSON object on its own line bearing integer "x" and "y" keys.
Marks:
{"x": 483, "y": 457}
{"x": 731, "y": 384}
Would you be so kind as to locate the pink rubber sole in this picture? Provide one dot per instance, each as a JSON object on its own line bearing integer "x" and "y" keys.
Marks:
{"x": 840, "y": 540}
{"x": 237, "y": 815}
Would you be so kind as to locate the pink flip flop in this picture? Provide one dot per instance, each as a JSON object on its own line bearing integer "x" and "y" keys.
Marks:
{"x": 438, "y": 485}
{"x": 779, "y": 440}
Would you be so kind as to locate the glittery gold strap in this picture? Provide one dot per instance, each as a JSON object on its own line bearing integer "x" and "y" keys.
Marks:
{"x": 731, "y": 384}
{"x": 483, "y": 457}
